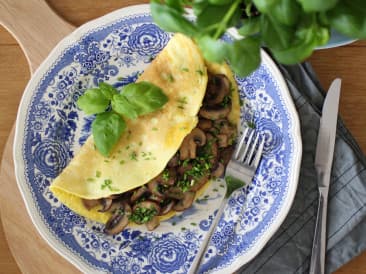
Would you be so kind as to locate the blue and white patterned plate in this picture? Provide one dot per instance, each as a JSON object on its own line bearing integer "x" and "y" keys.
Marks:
{"x": 50, "y": 129}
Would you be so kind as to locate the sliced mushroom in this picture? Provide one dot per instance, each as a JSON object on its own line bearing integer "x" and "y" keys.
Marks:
{"x": 218, "y": 87}
{"x": 189, "y": 145}
{"x": 205, "y": 124}
{"x": 174, "y": 161}
{"x": 184, "y": 168}
{"x": 174, "y": 193}
{"x": 139, "y": 193}
{"x": 218, "y": 171}
{"x": 106, "y": 204}
{"x": 156, "y": 198}
{"x": 225, "y": 127}
{"x": 215, "y": 112}
{"x": 153, "y": 223}
{"x": 186, "y": 202}
{"x": 167, "y": 208}
{"x": 199, "y": 183}
{"x": 90, "y": 203}
{"x": 172, "y": 177}
{"x": 119, "y": 220}
{"x": 223, "y": 140}
{"x": 154, "y": 186}
{"x": 225, "y": 154}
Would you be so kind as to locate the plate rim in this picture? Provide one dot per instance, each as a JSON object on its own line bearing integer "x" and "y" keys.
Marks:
{"x": 51, "y": 59}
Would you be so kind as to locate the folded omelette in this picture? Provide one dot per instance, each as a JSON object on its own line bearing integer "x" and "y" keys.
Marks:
{"x": 144, "y": 150}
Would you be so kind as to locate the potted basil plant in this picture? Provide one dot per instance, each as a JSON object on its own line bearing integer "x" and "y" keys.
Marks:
{"x": 289, "y": 29}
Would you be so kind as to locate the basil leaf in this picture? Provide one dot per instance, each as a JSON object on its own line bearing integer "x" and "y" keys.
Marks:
{"x": 171, "y": 19}
{"x": 265, "y": 6}
{"x": 317, "y": 5}
{"x": 121, "y": 105}
{"x": 107, "y": 128}
{"x": 220, "y": 2}
{"x": 93, "y": 101}
{"x": 244, "y": 55}
{"x": 309, "y": 35}
{"x": 107, "y": 90}
{"x": 250, "y": 26}
{"x": 212, "y": 49}
{"x": 286, "y": 12}
{"x": 348, "y": 18}
{"x": 145, "y": 97}
{"x": 199, "y": 6}
{"x": 212, "y": 13}
{"x": 274, "y": 34}
{"x": 175, "y": 4}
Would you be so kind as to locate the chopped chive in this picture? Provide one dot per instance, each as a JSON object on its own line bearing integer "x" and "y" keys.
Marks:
{"x": 185, "y": 69}
{"x": 98, "y": 174}
{"x": 133, "y": 156}
{"x": 200, "y": 72}
{"x": 154, "y": 128}
{"x": 121, "y": 162}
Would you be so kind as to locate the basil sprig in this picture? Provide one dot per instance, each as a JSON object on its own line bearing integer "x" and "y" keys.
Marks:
{"x": 290, "y": 29}
{"x": 111, "y": 106}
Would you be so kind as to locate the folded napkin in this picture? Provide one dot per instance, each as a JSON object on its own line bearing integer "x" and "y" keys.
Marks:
{"x": 289, "y": 250}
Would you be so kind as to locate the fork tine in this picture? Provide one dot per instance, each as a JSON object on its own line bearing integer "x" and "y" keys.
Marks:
{"x": 252, "y": 149}
{"x": 241, "y": 159}
{"x": 240, "y": 144}
{"x": 259, "y": 153}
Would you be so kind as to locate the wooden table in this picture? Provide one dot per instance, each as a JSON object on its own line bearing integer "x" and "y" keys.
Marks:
{"x": 347, "y": 62}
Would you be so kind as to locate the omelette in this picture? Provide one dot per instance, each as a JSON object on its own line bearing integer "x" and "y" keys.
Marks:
{"x": 154, "y": 150}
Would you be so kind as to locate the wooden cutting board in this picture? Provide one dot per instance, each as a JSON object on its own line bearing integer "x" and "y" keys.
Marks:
{"x": 37, "y": 29}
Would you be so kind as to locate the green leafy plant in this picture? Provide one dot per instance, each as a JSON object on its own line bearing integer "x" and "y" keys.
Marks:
{"x": 110, "y": 106}
{"x": 290, "y": 29}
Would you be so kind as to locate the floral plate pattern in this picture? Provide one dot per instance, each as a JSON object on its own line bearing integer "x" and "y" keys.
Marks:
{"x": 50, "y": 129}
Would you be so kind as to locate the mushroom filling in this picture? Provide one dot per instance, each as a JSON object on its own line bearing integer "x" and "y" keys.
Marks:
{"x": 203, "y": 155}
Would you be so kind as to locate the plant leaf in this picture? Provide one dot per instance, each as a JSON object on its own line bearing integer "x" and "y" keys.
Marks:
{"x": 171, "y": 19}
{"x": 93, "y": 101}
{"x": 249, "y": 26}
{"x": 144, "y": 96}
{"x": 138, "y": 99}
{"x": 286, "y": 12}
{"x": 274, "y": 34}
{"x": 121, "y": 105}
{"x": 212, "y": 49}
{"x": 348, "y": 18}
{"x": 265, "y": 6}
{"x": 317, "y": 5}
{"x": 244, "y": 55}
{"x": 107, "y": 129}
{"x": 107, "y": 90}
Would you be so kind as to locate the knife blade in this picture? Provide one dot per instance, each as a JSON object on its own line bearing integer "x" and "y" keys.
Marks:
{"x": 323, "y": 165}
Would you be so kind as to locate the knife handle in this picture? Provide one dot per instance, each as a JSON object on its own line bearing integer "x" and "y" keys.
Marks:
{"x": 317, "y": 263}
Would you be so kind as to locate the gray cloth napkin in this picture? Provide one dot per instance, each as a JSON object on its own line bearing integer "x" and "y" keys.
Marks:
{"x": 289, "y": 250}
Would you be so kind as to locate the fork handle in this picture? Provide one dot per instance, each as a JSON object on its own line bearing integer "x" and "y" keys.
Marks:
{"x": 317, "y": 263}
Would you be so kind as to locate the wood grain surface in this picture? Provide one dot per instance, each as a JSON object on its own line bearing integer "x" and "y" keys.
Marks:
{"x": 347, "y": 62}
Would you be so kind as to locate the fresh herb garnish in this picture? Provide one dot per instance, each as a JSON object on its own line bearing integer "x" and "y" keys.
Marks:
{"x": 232, "y": 184}
{"x": 108, "y": 184}
{"x": 142, "y": 215}
{"x": 135, "y": 99}
{"x": 290, "y": 29}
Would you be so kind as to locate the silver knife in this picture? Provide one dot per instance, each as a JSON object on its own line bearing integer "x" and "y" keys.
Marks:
{"x": 323, "y": 166}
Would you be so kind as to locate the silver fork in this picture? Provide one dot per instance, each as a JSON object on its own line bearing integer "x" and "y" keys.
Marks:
{"x": 240, "y": 172}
